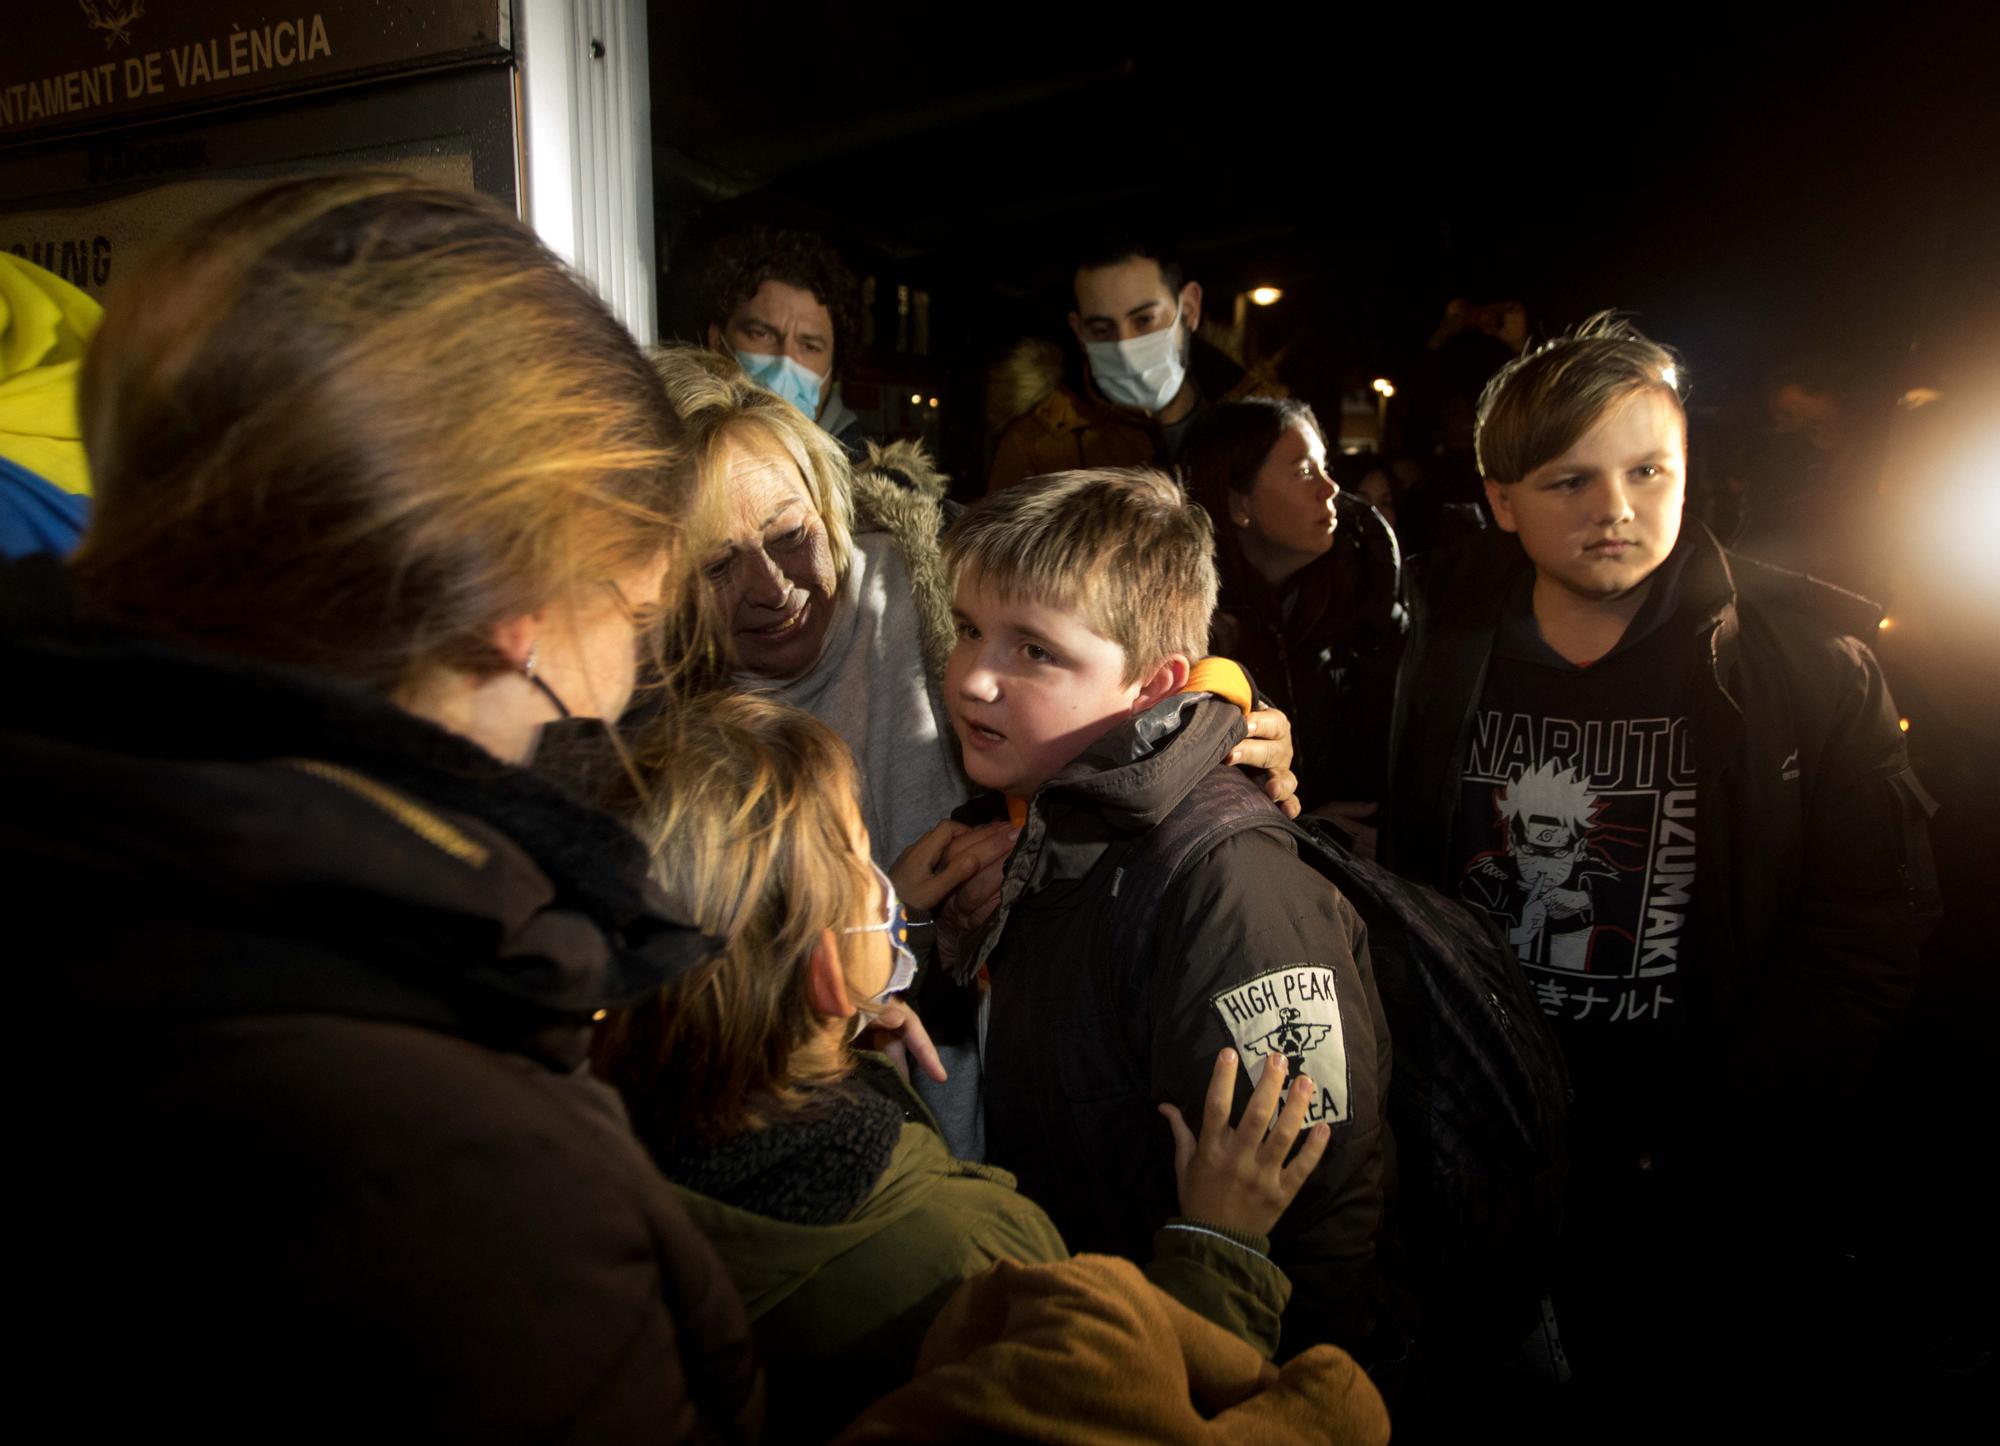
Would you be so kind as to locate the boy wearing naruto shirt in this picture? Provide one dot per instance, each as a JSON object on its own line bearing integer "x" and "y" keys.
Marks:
{"x": 1675, "y": 779}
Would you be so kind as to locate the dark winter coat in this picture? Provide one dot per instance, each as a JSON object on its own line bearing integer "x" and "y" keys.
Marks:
{"x": 1817, "y": 885}
{"x": 1078, "y": 1057}
{"x": 314, "y": 1155}
{"x": 1328, "y": 661}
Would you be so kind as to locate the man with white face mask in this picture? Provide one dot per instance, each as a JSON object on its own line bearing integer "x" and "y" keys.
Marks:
{"x": 1135, "y": 317}
{"x": 784, "y": 305}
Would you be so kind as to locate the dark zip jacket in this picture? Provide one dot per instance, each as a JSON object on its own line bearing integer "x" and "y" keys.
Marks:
{"x": 312, "y": 1151}
{"x": 1078, "y": 1055}
{"x": 1817, "y": 888}
{"x": 1328, "y": 660}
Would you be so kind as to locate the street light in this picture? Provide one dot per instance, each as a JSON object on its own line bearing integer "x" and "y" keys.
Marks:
{"x": 1384, "y": 389}
{"x": 1265, "y": 295}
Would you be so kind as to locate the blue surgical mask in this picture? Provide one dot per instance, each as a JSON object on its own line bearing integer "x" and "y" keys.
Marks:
{"x": 903, "y": 965}
{"x": 1144, "y": 373}
{"x": 797, "y": 384}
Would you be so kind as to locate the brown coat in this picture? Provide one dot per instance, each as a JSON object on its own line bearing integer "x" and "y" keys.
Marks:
{"x": 1087, "y": 1351}
{"x": 1067, "y": 429}
{"x": 1046, "y": 424}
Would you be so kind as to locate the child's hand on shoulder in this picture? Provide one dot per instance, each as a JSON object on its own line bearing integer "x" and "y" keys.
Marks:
{"x": 1236, "y": 1176}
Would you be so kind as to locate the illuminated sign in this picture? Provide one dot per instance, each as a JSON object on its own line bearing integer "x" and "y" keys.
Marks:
{"x": 82, "y": 64}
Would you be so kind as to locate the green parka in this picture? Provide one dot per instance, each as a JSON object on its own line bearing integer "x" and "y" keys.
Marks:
{"x": 839, "y": 1311}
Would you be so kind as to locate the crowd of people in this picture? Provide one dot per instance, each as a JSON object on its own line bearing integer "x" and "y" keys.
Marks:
{"x": 599, "y": 904}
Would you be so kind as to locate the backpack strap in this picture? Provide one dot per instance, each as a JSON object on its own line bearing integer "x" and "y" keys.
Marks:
{"x": 1220, "y": 806}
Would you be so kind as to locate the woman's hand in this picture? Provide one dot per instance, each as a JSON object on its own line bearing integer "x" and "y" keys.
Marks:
{"x": 1236, "y": 1177}
{"x": 897, "y": 1032}
{"x": 984, "y": 851}
{"x": 926, "y": 871}
{"x": 1268, "y": 746}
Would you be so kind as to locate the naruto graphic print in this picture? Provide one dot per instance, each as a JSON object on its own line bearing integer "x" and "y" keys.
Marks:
{"x": 1578, "y": 836}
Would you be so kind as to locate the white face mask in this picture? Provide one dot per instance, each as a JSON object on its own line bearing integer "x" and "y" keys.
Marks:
{"x": 1144, "y": 373}
{"x": 903, "y": 960}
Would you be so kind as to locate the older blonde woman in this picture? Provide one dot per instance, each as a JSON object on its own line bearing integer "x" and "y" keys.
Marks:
{"x": 827, "y": 590}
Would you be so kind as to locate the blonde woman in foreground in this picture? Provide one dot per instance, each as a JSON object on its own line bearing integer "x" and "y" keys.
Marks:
{"x": 381, "y": 492}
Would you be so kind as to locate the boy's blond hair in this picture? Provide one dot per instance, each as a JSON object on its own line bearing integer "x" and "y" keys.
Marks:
{"x": 1538, "y": 405}
{"x": 1124, "y": 548}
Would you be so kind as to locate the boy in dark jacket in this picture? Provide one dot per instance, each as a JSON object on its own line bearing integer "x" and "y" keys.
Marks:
{"x": 1081, "y": 598}
{"x": 1675, "y": 779}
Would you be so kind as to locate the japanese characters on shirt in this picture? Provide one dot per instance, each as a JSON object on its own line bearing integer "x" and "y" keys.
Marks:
{"x": 1292, "y": 1012}
{"x": 1589, "y": 868}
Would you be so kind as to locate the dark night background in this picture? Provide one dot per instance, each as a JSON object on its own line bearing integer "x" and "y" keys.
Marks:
{"x": 1753, "y": 188}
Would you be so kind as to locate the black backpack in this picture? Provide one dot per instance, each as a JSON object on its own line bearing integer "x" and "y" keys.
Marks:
{"x": 1478, "y": 1095}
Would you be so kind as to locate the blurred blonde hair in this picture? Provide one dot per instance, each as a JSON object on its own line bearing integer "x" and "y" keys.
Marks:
{"x": 750, "y": 830}
{"x": 1125, "y": 549}
{"x": 355, "y": 423}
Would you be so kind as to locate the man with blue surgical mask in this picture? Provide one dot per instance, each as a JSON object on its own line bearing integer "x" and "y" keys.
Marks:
{"x": 1135, "y": 318}
{"x": 782, "y": 303}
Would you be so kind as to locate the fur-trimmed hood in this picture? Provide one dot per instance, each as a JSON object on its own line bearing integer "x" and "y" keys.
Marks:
{"x": 902, "y": 464}
{"x": 898, "y": 490}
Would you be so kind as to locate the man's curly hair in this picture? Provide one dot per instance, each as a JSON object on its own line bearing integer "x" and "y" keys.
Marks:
{"x": 746, "y": 260}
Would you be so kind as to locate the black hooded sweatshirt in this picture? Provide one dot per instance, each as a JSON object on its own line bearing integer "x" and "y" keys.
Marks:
{"x": 1816, "y": 881}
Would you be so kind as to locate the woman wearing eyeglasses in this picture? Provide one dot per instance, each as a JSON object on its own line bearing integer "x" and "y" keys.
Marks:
{"x": 809, "y": 1164}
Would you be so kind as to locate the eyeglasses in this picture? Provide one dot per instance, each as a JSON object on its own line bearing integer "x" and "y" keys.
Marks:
{"x": 895, "y": 923}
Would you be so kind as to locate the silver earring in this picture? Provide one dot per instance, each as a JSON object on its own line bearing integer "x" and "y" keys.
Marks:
{"x": 528, "y": 672}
